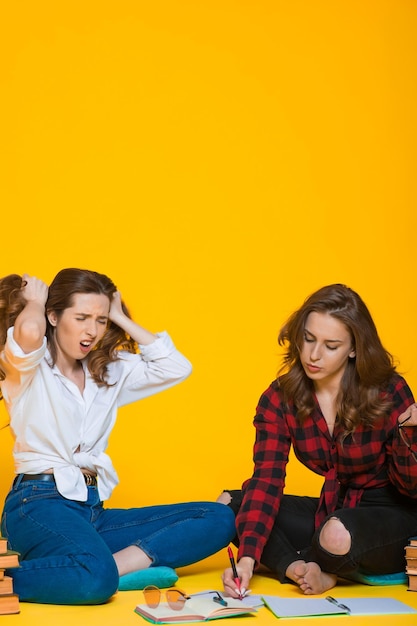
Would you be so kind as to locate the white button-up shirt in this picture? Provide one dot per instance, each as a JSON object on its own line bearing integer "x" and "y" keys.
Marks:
{"x": 56, "y": 426}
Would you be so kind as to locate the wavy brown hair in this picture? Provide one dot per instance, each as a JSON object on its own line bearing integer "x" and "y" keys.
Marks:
{"x": 62, "y": 290}
{"x": 66, "y": 284}
{"x": 12, "y": 303}
{"x": 360, "y": 400}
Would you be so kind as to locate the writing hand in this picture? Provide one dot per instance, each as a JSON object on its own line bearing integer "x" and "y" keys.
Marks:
{"x": 245, "y": 571}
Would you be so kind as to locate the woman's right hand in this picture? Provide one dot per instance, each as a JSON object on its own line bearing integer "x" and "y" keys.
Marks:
{"x": 244, "y": 569}
{"x": 34, "y": 289}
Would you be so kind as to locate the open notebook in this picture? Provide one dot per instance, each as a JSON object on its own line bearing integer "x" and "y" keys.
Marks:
{"x": 309, "y": 607}
{"x": 198, "y": 608}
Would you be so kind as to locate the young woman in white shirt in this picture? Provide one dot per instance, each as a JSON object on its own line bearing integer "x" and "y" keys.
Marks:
{"x": 68, "y": 361}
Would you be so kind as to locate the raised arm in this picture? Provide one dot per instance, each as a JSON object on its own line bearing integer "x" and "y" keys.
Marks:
{"x": 30, "y": 324}
{"x": 136, "y": 332}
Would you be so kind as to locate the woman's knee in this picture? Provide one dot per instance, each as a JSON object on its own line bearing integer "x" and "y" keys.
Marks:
{"x": 80, "y": 582}
{"x": 98, "y": 580}
{"x": 224, "y": 520}
{"x": 334, "y": 537}
{"x": 98, "y": 590}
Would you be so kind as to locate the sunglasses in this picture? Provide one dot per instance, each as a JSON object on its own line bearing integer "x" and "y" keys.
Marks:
{"x": 175, "y": 597}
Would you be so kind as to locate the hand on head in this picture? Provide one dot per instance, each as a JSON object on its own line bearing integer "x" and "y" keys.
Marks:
{"x": 34, "y": 289}
{"x": 116, "y": 310}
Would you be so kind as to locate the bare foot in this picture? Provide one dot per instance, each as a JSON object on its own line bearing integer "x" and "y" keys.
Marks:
{"x": 310, "y": 578}
{"x": 224, "y": 498}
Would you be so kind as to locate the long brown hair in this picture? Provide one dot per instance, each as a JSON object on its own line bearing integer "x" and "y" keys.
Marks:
{"x": 360, "y": 400}
{"x": 62, "y": 290}
{"x": 12, "y": 303}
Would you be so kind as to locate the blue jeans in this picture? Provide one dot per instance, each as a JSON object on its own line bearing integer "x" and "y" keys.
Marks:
{"x": 66, "y": 546}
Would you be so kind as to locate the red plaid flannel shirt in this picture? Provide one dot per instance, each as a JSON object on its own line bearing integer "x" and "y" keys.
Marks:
{"x": 370, "y": 458}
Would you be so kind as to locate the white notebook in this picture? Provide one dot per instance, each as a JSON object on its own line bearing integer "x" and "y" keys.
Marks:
{"x": 308, "y": 607}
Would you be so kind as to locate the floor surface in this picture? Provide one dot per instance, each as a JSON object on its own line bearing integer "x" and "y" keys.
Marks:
{"x": 204, "y": 576}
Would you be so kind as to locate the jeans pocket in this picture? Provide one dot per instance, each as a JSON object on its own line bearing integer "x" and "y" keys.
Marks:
{"x": 18, "y": 498}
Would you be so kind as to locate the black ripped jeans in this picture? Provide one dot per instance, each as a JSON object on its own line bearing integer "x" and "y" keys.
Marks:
{"x": 379, "y": 528}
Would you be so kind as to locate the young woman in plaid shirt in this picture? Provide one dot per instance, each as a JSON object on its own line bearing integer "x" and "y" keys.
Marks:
{"x": 349, "y": 416}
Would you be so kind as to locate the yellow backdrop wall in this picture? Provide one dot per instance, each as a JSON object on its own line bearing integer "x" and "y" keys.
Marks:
{"x": 220, "y": 160}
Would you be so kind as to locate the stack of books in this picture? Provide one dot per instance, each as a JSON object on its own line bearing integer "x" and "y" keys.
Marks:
{"x": 9, "y": 601}
{"x": 411, "y": 559}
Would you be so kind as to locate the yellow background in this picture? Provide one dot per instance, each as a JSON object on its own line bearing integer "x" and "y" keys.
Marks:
{"x": 220, "y": 160}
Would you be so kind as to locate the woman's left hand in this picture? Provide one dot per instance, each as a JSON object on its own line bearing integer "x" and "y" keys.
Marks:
{"x": 116, "y": 311}
{"x": 409, "y": 417}
{"x": 118, "y": 317}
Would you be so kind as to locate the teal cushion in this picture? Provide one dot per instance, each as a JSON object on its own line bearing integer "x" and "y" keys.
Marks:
{"x": 158, "y": 576}
{"x": 366, "y": 578}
